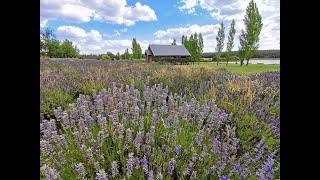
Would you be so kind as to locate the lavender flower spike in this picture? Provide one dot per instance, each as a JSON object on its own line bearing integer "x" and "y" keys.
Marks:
{"x": 130, "y": 163}
{"x": 144, "y": 163}
{"x": 150, "y": 175}
{"x": 171, "y": 166}
{"x": 79, "y": 168}
{"x": 224, "y": 177}
{"x": 114, "y": 169}
{"x": 101, "y": 175}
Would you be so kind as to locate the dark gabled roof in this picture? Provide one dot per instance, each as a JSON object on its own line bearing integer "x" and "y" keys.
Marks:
{"x": 168, "y": 50}
{"x": 148, "y": 52}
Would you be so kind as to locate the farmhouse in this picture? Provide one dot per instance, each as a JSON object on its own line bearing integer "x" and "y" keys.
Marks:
{"x": 168, "y": 53}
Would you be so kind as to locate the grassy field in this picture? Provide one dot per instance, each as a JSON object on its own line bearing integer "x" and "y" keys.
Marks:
{"x": 244, "y": 70}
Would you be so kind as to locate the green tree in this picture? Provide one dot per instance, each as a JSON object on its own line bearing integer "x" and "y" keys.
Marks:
{"x": 46, "y": 36}
{"x": 242, "y": 47}
{"x": 220, "y": 42}
{"x": 250, "y": 37}
{"x": 111, "y": 55}
{"x": 230, "y": 43}
{"x": 194, "y": 44}
{"x": 68, "y": 50}
{"x": 126, "y": 54}
{"x": 182, "y": 39}
{"x": 136, "y": 49}
{"x": 118, "y": 56}
{"x": 104, "y": 57}
{"x": 53, "y": 49}
{"x": 196, "y": 47}
{"x": 200, "y": 44}
{"x": 139, "y": 51}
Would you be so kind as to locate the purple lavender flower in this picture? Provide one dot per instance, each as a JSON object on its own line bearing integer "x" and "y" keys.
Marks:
{"x": 101, "y": 121}
{"x": 138, "y": 140}
{"x": 137, "y": 162}
{"x": 80, "y": 170}
{"x": 63, "y": 141}
{"x": 169, "y": 119}
{"x": 114, "y": 169}
{"x": 275, "y": 125}
{"x": 150, "y": 175}
{"x": 144, "y": 163}
{"x": 190, "y": 168}
{"x": 204, "y": 148}
{"x": 221, "y": 164}
{"x": 235, "y": 168}
{"x": 244, "y": 173}
{"x": 195, "y": 157}
{"x": 101, "y": 175}
{"x": 216, "y": 145}
{"x": 50, "y": 173}
{"x": 198, "y": 139}
{"x": 178, "y": 149}
{"x": 46, "y": 147}
{"x": 171, "y": 166}
{"x": 267, "y": 171}
{"x": 167, "y": 150}
{"x": 224, "y": 177}
{"x": 260, "y": 148}
{"x": 130, "y": 163}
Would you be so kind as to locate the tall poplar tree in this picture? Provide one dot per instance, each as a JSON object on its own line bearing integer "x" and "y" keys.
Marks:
{"x": 249, "y": 39}
{"x": 230, "y": 43}
{"x": 220, "y": 42}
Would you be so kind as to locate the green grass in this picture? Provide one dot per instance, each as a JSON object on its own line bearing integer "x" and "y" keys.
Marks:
{"x": 237, "y": 69}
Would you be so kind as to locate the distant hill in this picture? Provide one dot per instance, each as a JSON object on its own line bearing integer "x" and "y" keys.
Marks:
{"x": 258, "y": 54}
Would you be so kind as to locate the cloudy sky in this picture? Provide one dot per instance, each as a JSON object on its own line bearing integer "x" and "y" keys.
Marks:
{"x": 98, "y": 26}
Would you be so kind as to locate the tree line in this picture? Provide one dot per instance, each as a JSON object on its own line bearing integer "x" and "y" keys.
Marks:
{"x": 257, "y": 54}
{"x": 135, "y": 49}
{"x": 53, "y": 48}
{"x": 249, "y": 40}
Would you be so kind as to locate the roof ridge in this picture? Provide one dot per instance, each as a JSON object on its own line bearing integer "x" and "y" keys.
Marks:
{"x": 165, "y": 44}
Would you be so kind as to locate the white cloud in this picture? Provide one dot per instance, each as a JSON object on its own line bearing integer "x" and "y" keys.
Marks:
{"x": 222, "y": 10}
{"x": 66, "y": 9}
{"x": 205, "y": 30}
{"x": 109, "y": 11}
{"x": 76, "y": 13}
{"x": 116, "y": 33}
{"x": 43, "y": 23}
{"x": 188, "y": 4}
{"x": 225, "y": 11}
{"x": 92, "y": 42}
{"x": 71, "y": 32}
{"x": 270, "y": 34}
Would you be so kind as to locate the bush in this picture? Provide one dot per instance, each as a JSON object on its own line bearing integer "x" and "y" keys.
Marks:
{"x": 104, "y": 57}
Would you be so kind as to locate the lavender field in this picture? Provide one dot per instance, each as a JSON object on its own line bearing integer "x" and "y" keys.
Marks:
{"x": 127, "y": 120}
